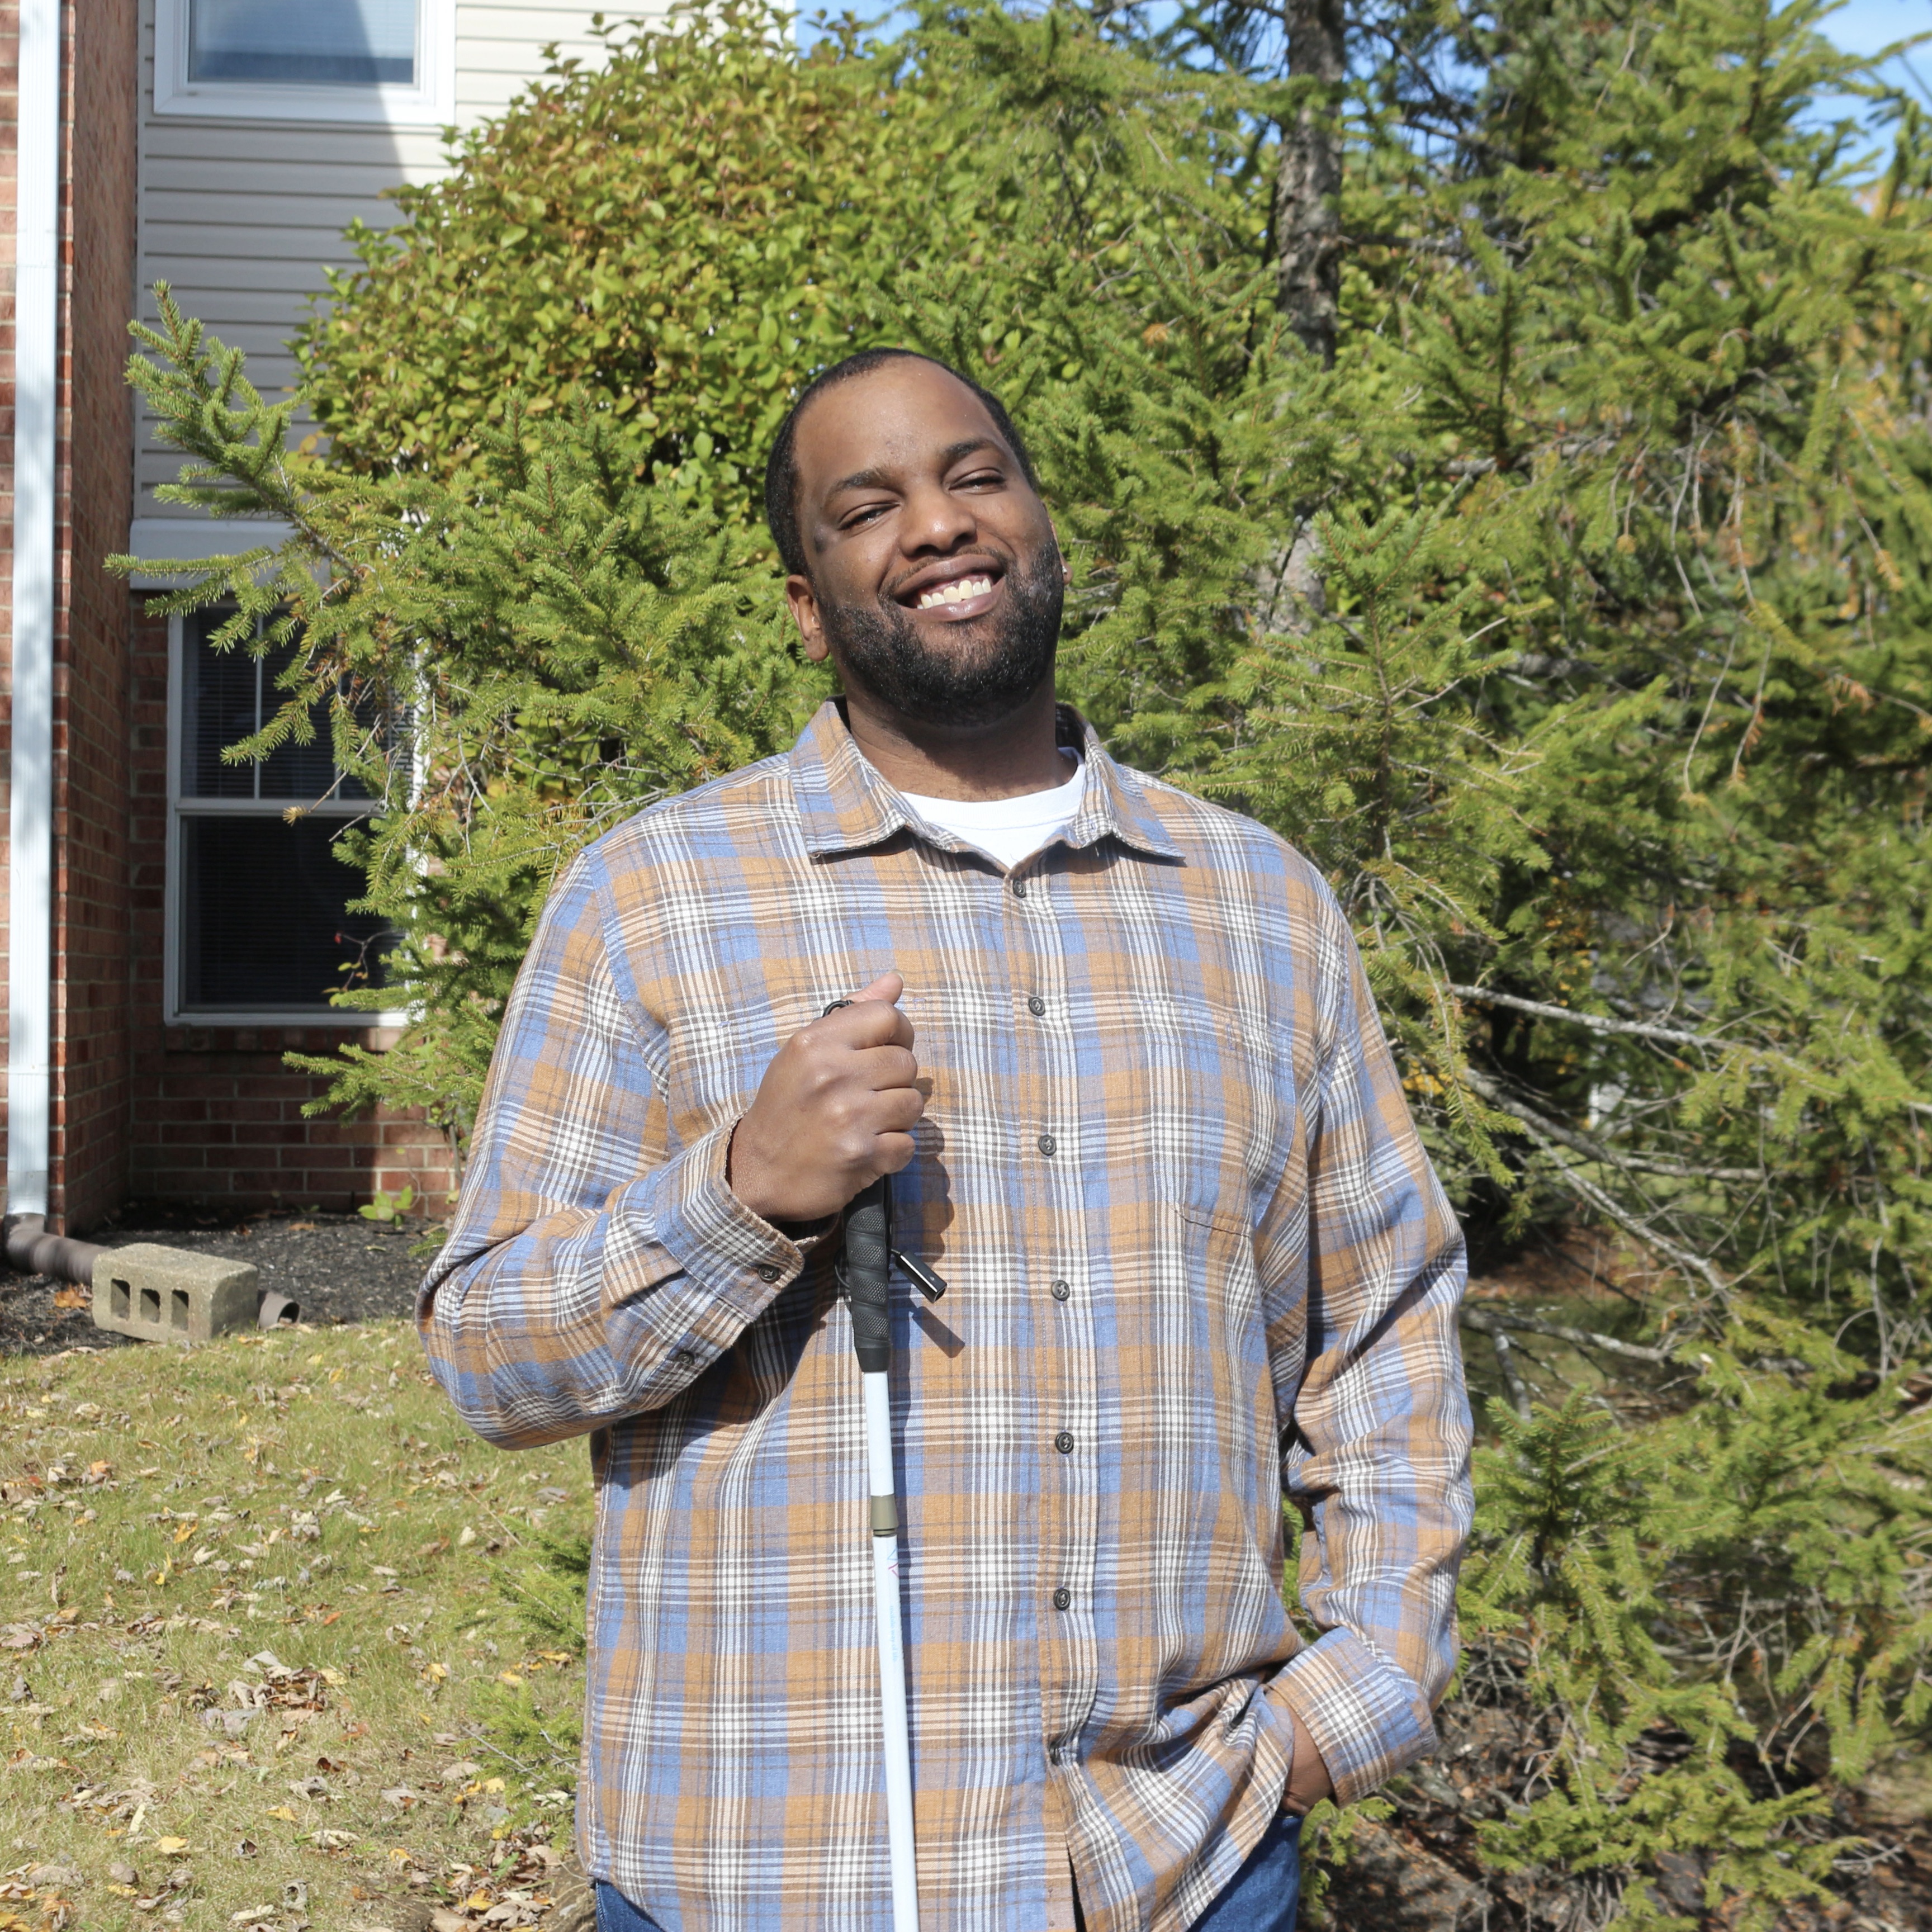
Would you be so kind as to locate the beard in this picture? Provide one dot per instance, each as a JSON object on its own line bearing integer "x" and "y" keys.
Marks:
{"x": 997, "y": 664}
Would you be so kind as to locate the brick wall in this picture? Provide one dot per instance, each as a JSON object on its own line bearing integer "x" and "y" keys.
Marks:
{"x": 218, "y": 1122}
{"x": 100, "y": 43}
{"x": 216, "y": 1117}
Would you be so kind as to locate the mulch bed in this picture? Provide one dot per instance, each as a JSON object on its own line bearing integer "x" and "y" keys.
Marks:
{"x": 339, "y": 1267}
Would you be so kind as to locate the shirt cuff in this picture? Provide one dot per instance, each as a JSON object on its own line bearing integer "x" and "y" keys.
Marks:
{"x": 684, "y": 1212}
{"x": 1368, "y": 1718}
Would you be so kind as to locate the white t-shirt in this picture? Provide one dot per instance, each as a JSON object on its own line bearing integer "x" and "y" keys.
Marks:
{"x": 1008, "y": 829}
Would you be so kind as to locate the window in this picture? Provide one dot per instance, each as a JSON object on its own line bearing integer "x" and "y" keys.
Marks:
{"x": 260, "y": 928}
{"x": 326, "y": 60}
{"x": 336, "y": 43}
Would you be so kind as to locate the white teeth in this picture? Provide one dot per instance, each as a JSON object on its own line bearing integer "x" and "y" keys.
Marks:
{"x": 956, "y": 592}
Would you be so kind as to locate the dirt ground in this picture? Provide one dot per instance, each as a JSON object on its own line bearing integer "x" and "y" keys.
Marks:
{"x": 339, "y": 1267}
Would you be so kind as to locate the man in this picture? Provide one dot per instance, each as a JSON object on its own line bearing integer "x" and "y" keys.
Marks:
{"x": 1115, "y": 1047}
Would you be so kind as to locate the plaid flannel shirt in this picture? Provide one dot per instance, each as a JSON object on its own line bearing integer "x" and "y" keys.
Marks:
{"x": 1199, "y": 1265}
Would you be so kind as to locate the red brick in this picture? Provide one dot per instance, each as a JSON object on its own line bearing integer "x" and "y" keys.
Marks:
{"x": 340, "y": 1159}
{"x": 249, "y": 1112}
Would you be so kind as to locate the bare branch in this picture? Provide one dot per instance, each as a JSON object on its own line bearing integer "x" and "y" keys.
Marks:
{"x": 1519, "y": 1390}
{"x": 1598, "y": 1023}
{"x": 1633, "y": 1224}
{"x": 1546, "y": 1134}
{"x": 1592, "y": 1149}
{"x": 1492, "y": 1323}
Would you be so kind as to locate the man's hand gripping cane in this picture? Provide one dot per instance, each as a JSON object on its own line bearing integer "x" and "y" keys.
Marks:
{"x": 835, "y": 1111}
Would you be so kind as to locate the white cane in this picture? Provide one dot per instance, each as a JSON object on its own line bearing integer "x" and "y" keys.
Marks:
{"x": 868, "y": 1268}
{"x": 866, "y": 1272}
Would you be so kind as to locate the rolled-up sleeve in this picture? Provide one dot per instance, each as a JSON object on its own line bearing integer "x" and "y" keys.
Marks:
{"x": 1377, "y": 1435}
{"x": 592, "y": 1271}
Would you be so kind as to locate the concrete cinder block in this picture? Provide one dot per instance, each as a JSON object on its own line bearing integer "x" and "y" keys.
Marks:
{"x": 171, "y": 1295}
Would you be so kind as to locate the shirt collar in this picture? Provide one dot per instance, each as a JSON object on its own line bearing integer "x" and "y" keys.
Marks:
{"x": 845, "y": 806}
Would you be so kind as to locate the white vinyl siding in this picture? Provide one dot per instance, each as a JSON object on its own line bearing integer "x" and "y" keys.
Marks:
{"x": 240, "y": 217}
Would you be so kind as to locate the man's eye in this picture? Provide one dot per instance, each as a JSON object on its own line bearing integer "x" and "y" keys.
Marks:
{"x": 864, "y": 514}
{"x": 981, "y": 479}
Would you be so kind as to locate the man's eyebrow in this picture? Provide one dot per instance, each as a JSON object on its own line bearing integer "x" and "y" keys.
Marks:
{"x": 878, "y": 479}
{"x": 862, "y": 479}
{"x": 969, "y": 445}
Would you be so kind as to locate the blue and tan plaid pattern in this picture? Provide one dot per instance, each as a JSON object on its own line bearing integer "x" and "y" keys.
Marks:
{"x": 1198, "y": 1264}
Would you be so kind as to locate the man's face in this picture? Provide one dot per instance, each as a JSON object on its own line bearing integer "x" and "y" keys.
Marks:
{"x": 936, "y": 581}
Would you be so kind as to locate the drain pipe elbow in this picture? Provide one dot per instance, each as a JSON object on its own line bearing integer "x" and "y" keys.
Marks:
{"x": 31, "y": 1249}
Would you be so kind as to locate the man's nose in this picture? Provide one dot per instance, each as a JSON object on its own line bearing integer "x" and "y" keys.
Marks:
{"x": 936, "y": 521}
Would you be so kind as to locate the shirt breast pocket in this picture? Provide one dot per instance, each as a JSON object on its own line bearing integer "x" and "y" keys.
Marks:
{"x": 1197, "y": 1093}
{"x": 1217, "y": 1260}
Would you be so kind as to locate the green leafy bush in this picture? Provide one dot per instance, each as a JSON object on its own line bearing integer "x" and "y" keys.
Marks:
{"x": 678, "y": 233}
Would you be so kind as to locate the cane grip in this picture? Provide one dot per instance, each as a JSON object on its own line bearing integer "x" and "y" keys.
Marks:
{"x": 868, "y": 1244}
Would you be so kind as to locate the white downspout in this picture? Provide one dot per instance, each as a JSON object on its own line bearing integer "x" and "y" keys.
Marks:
{"x": 31, "y": 807}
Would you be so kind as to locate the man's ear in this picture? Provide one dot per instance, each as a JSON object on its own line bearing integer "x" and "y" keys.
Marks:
{"x": 1066, "y": 569}
{"x": 805, "y": 614}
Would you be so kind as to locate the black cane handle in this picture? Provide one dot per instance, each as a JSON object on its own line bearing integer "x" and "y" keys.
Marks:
{"x": 868, "y": 1262}
{"x": 869, "y": 1259}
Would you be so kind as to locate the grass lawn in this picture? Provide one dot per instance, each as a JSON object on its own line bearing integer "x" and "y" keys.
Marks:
{"x": 259, "y": 1603}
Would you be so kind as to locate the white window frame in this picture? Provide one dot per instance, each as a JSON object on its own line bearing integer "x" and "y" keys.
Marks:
{"x": 430, "y": 102}
{"x": 181, "y": 807}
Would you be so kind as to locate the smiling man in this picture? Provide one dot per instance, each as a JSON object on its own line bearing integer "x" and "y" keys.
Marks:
{"x": 1116, "y": 1046}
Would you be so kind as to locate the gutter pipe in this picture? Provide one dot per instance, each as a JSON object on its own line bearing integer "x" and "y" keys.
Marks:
{"x": 31, "y": 778}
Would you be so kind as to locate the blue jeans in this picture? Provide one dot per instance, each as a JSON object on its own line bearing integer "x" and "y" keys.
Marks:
{"x": 1261, "y": 1897}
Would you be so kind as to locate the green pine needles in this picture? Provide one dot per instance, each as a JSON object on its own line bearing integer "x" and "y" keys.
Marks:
{"x": 1573, "y": 616}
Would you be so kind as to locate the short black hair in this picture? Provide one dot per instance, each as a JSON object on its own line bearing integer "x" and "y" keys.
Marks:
{"x": 782, "y": 466}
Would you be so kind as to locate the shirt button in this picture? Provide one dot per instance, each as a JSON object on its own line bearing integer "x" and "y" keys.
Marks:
{"x": 1063, "y": 1442}
{"x": 1047, "y": 1145}
{"x": 1061, "y": 1290}
{"x": 1063, "y": 1598}
{"x": 1036, "y": 1005}
{"x": 1018, "y": 887}
{"x": 768, "y": 1271}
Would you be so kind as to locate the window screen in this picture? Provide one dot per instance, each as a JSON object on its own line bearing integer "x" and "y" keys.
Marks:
{"x": 330, "y": 42}
{"x": 262, "y": 919}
